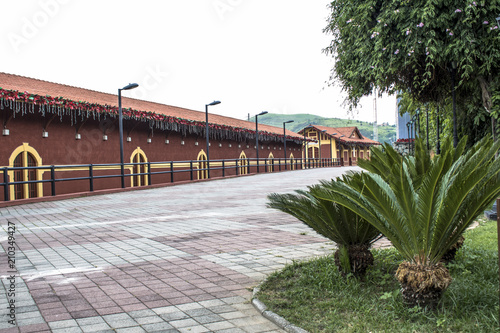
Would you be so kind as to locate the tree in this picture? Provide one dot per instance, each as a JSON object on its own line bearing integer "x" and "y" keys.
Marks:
{"x": 414, "y": 46}
{"x": 352, "y": 234}
{"x": 423, "y": 205}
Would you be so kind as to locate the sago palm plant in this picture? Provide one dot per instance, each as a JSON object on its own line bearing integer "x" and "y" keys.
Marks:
{"x": 352, "y": 234}
{"x": 423, "y": 210}
{"x": 382, "y": 160}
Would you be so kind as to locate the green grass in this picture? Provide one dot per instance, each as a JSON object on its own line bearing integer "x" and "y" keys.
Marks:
{"x": 314, "y": 296}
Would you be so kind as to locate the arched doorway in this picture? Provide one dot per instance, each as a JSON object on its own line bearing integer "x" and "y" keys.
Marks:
{"x": 270, "y": 163}
{"x": 25, "y": 156}
{"x": 202, "y": 165}
{"x": 243, "y": 162}
{"x": 139, "y": 156}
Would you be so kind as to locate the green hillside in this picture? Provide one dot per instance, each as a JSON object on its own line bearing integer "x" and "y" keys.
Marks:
{"x": 386, "y": 133}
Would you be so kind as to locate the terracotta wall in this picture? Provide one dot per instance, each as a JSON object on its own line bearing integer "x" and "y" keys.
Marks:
{"x": 62, "y": 148}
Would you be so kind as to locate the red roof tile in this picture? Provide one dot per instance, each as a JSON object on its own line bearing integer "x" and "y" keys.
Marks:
{"x": 346, "y": 134}
{"x": 40, "y": 87}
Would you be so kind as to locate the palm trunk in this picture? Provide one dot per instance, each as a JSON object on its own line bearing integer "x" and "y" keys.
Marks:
{"x": 359, "y": 259}
{"x": 422, "y": 285}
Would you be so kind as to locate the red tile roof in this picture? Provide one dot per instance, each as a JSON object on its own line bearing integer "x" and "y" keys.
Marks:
{"x": 348, "y": 135}
{"x": 43, "y": 88}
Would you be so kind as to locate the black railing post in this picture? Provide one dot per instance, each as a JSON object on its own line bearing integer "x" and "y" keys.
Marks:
{"x": 248, "y": 166}
{"x": 279, "y": 164}
{"x": 91, "y": 177}
{"x": 53, "y": 180}
{"x": 191, "y": 169}
{"x": 6, "y": 191}
{"x": 223, "y": 169}
{"x": 237, "y": 168}
{"x": 171, "y": 171}
{"x": 149, "y": 173}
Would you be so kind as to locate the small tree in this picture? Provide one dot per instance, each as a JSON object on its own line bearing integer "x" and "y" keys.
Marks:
{"x": 352, "y": 234}
{"x": 415, "y": 46}
{"x": 423, "y": 205}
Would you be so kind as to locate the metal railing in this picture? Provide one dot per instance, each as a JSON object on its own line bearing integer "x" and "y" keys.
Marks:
{"x": 227, "y": 167}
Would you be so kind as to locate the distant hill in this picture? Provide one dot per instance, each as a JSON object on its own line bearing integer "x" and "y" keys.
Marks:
{"x": 386, "y": 133}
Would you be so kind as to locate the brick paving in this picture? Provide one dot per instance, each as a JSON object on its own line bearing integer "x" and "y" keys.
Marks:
{"x": 175, "y": 259}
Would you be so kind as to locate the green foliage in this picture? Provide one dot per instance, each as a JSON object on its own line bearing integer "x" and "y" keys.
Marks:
{"x": 413, "y": 46}
{"x": 327, "y": 218}
{"x": 423, "y": 205}
{"x": 313, "y": 296}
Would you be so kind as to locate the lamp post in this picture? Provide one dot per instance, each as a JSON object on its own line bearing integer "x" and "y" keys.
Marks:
{"x": 257, "y": 136}
{"x": 206, "y": 134}
{"x": 319, "y": 147}
{"x": 120, "y": 125}
{"x": 342, "y": 154}
{"x": 284, "y": 136}
{"x": 418, "y": 122}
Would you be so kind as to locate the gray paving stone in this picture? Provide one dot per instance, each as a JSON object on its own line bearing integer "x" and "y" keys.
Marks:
{"x": 182, "y": 256}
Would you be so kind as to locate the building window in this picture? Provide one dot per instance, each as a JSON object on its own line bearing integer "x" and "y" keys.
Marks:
{"x": 202, "y": 165}
{"x": 23, "y": 157}
{"x": 139, "y": 156}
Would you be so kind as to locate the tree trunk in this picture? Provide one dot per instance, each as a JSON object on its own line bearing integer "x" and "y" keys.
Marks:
{"x": 487, "y": 102}
{"x": 422, "y": 285}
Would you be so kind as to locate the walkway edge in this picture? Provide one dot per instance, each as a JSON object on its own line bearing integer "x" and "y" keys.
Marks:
{"x": 273, "y": 317}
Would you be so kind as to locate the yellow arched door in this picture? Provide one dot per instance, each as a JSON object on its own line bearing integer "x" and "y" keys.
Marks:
{"x": 25, "y": 156}
{"x": 243, "y": 162}
{"x": 202, "y": 165}
{"x": 270, "y": 163}
{"x": 139, "y": 156}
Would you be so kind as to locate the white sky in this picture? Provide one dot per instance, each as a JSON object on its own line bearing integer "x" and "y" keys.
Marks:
{"x": 252, "y": 55}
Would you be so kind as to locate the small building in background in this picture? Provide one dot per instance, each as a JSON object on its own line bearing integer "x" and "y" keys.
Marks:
{"x": 342, "y": 144}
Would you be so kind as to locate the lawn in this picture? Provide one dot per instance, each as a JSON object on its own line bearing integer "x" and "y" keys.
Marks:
{"x": 313, "y": 295}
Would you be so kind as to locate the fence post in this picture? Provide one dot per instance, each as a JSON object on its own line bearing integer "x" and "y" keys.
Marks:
{"x": 91, "y": 177}
{"x": 6, "y": 185}
{"x": 149, "y": 173}
{"x": 223, "y": 169}
{"x": 237, "y": 168}
{"x": 53, "y": 180}
{"x": 171, "y": 171}
{"x": 191, "y": 168}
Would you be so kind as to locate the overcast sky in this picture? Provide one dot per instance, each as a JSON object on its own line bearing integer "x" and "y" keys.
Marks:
{"x": 252, "y": 55}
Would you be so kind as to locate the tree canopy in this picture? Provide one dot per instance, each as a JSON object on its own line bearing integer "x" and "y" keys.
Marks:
{"x": 413, "y": 45}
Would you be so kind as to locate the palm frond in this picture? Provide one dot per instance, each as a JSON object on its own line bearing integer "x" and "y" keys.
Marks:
{"x": 327, "y": 218}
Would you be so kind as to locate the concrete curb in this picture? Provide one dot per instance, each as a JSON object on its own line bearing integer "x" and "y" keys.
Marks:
{"x": 273, "y": 317}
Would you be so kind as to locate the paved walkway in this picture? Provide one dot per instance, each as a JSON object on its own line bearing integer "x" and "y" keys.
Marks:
{"x": 174, "y": 259}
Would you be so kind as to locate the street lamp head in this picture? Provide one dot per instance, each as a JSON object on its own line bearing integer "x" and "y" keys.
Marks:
{"x": 287, "y": 122}
{"x": 130, "y": 86}
{"x": 262, "y": 113}
{"x": 214, "y": 103}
